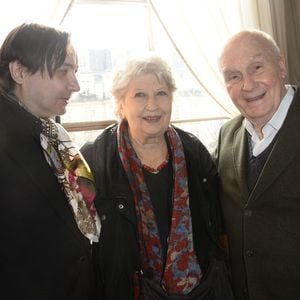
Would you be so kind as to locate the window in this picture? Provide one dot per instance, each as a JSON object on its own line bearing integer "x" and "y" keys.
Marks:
{"x": 105, "y": 33}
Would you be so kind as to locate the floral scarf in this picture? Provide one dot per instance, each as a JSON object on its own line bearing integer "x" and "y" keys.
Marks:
{"x": 74, "y": 176}
{"x": 182, "y": 272}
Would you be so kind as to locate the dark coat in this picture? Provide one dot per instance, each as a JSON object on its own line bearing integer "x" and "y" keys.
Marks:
{"x": 263, "y": 227}
{"x": 119, "y": 255}
{"x": 43, "y": 255}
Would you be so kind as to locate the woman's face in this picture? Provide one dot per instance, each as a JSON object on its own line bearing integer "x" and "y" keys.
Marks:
{"x": 147, "y": 107}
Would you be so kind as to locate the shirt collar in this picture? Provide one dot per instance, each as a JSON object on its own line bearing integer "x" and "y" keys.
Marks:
{"x": 279, "y": 116}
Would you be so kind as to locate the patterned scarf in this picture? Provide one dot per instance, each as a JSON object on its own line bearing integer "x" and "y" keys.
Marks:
{"x": 74, "y": 176}
{"x": 182, "y": 271}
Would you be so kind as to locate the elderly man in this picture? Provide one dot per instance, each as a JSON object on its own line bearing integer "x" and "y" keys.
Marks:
{"x": 258, "y": 158}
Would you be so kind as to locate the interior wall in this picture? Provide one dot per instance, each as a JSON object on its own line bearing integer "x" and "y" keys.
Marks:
{"x": 292, "y": 25}
{"x": 285, "y": 16}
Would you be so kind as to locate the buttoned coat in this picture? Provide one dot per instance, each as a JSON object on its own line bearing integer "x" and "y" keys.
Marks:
{"x": 264, "y": 226}
{"x": 43, "y": 255}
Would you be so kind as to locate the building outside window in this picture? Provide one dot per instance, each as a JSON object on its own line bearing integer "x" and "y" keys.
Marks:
{"x": 105, "y": 34}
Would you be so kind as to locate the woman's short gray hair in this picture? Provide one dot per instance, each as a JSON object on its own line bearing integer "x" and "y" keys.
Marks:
{"x": 138, "y": 67}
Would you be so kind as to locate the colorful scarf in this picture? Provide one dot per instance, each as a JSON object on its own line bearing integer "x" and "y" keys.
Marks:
{"x": 74, "y": 176}
{"x": 182, "y": 271}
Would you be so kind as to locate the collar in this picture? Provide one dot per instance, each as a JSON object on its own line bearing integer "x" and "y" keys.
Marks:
{"x": 27, "y": 119}
{"x": 272, "y": 127}
{"x": 278, "y": 118}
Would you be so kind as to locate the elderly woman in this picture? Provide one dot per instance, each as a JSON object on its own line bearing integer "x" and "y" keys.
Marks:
{"x": 157, "y": 196}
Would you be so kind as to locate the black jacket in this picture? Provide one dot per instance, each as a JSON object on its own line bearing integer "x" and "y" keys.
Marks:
{"x": 43, "y": 255}
{"x": 118, "y": 255}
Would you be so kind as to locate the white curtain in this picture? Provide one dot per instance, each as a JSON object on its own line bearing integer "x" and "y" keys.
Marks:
{"x": 16, "y": 12}
{"x": 199, "y": 28}
{"x": 271, "y": 18}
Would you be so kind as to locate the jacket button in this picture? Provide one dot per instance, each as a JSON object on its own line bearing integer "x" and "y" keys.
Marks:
{"x": 204, "y": 179}
{"x": 249, "y": 253}
{"x": 248, "y": 213}
{"x": 103, "y": 217}
{"x": 121, "y": 206}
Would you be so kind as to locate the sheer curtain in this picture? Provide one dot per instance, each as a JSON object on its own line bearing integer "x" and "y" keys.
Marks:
{"x": 15, "y": 12}
{"x": 283, "y": 23}
{"x": 292, "y": 27}
{"x": 198, "y": 29}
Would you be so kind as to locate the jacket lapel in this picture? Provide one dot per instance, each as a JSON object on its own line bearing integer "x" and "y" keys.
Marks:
{"x": 34, "y": 166}
{"x": 23, "y": 148}
{"x": 239, "y": 159}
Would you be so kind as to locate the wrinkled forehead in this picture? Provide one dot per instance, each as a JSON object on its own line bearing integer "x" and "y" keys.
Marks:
{"x": 147, "y": 79}
{"x": 244, "y": 49}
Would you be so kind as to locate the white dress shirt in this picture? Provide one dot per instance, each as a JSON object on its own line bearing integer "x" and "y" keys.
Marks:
{"x": 271, "y": 128}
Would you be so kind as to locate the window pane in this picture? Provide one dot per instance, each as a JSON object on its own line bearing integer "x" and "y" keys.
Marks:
{"x": 106, "y": 34}
{"x": 103, "y": 35}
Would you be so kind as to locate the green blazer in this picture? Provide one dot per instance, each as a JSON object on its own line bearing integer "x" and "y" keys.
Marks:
{"x": 263, "y": 227}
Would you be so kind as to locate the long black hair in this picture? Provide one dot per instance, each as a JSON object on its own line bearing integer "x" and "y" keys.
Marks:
{"x": 36, "y": 47}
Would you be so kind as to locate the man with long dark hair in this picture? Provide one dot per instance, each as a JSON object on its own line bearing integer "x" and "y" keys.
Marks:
{"x": 48, "y": 223}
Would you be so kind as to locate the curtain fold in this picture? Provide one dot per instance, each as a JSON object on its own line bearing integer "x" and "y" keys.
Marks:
{"x": 60, "y": 10}
{"x": 198, "y": 29}
{"x": 50, "y": 12}
{"x": 292, "y": 26}
{"x": 281, "y": 19}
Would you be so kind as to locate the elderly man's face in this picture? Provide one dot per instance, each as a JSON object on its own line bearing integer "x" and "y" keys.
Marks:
{"x": 254, "y": 78}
